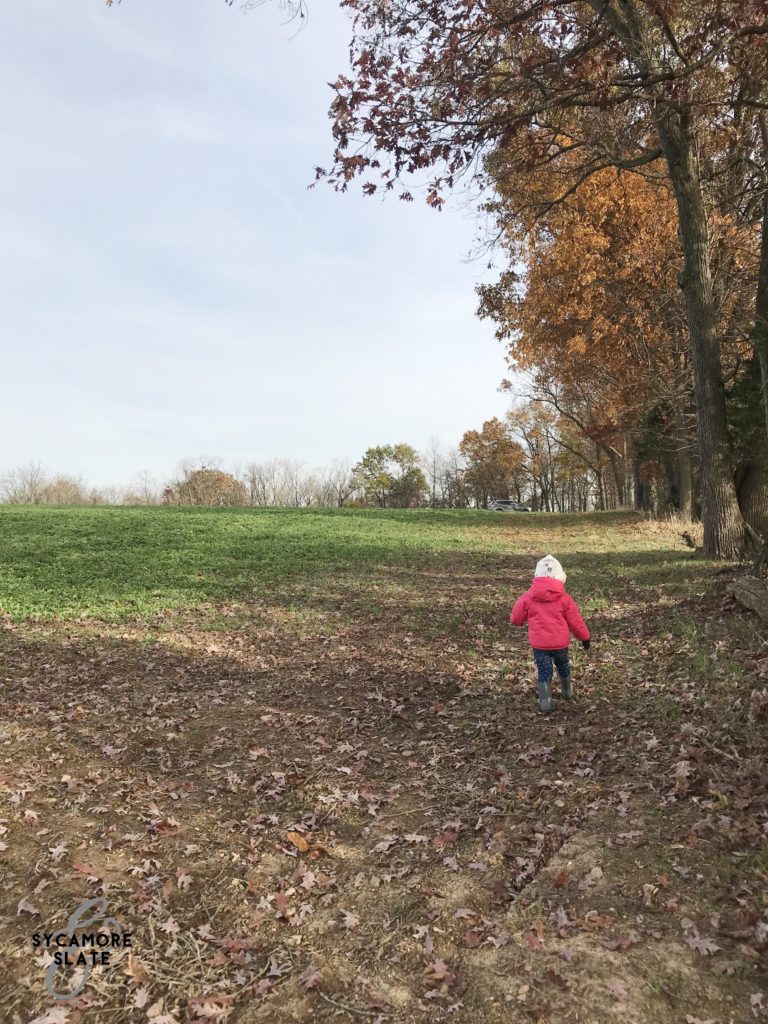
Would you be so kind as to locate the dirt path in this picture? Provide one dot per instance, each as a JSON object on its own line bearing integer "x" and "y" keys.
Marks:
{"x": 353, "y": 815}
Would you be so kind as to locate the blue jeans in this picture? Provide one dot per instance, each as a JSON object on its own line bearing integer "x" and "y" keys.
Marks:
{"x": 544, "y": 661}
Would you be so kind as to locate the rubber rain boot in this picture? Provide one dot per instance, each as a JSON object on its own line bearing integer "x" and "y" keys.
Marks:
{"x": 566, "y": 688}
{"x": 546, "y": 705}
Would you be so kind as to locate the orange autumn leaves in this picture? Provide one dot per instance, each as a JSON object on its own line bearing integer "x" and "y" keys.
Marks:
{"x": 598, "y": 306}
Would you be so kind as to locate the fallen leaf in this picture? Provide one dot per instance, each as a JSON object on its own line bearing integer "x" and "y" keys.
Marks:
{"x": 25, "y": 907}
{"x": 385, "y": 845}
{"x": 701, "y": 944}
{"x": 556, "y": 979}
{"x": 310, "y": 978}
{"x": 438, "y": 969}
{"x": 297, "y": 839}
{"x": 141, "y": 997}
{"x": 135, "y": 969}
{"x": 56, "y": 1015}
{"x": 594, "y": 877}
{"x": 183, "y": 880}
{"x": 85, "y": 869}
{"x": 617, "y": 990}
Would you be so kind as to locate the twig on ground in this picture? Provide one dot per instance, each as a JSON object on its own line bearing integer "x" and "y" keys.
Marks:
{"x": 354, "y": 1009}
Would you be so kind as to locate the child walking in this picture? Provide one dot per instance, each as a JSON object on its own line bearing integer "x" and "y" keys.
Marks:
{"x": 552, "y": 615}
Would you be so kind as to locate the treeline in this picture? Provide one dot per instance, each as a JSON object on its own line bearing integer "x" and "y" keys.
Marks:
{"x": 537, "y": 455}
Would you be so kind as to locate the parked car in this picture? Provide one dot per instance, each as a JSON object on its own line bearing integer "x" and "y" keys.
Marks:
{"x": 504, "y": 505}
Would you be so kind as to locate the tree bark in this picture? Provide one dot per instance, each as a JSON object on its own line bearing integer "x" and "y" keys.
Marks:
{"x": 684, "y": 483}
{"x": 600, "y": 490}
{"x": 618, "y": 473}
{"x": 724, "y": 534}
{"x": 684, "y": 460}
{"x": 640, "y": 490}
{"x": 761, "y": 299}
{"x": 753, "y": 497}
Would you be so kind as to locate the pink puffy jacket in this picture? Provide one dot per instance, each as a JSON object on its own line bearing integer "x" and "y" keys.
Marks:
{"x": 552, "y": 615}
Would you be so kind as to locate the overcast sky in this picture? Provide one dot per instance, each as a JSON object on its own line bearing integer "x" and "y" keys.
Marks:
{"x": 171, "y": 289}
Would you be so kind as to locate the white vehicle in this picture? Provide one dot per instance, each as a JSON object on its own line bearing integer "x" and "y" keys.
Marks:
{"x": 505, "y": 505}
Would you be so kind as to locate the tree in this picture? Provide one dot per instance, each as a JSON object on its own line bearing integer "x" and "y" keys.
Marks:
{"x": 143, "y": 491}
{"x": 24, "y": 485}
{"x": 494, "y": 461}
{"x": 337, "y": 483}
{"x": 750, "y": 443}
{"x": 68, "y": 490}
{"x": 391, "y": 477}
{"x": 432, "y": 460}
{"x": 206, "y": 486}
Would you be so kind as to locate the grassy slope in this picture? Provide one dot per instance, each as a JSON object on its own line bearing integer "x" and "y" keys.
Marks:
{"x": 193, "y": 686}
{"x": 114, "y": 563}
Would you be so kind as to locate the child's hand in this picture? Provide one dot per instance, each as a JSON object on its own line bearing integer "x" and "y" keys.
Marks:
{"x": 585, "y": 644}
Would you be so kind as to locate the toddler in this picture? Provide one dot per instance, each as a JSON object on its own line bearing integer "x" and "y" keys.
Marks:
{"x": 552, "y": 615}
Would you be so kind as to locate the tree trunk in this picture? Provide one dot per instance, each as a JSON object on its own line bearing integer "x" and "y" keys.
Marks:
{"x": 761, "y": 299}
{"x": 684, "y": 468}
{"x": 618, "y": 474}
{"x": 724, "y": 534}
{"x": 641, "y": 495}
{"x": 600, "y": 490}
{"x": 684, "y": 483}
{"x": 753, "y": 490}
{"x": 753, "y": 498}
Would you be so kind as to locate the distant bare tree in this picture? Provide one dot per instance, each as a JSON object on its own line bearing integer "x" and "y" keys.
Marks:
{"x": 67, "y": 490}
{"x": 341, "y": 481}
{"x": 453, "y": 485}
{"x": 143, "y": 491}
{"x": 281, "y": 483}
{"x": 109, "y": 495}
{"x": 24, "y": 485}
{"x": 261, "y": 483}
{"x": 294, "y": 491}
{"x": 432, "y": 461}
{"x": 332, "y": 486}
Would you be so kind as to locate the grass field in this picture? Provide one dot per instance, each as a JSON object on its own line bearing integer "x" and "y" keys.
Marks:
{"x": 114, "y": 564}
{"x": 298, "y": 752}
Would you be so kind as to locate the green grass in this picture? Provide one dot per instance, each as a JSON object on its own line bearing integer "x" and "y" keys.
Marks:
{"x": 117, "y": 563}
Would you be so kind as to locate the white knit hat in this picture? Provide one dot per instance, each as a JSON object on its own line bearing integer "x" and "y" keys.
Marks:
{"x": 549, "y": 566}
